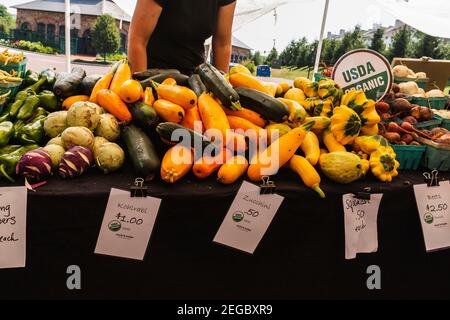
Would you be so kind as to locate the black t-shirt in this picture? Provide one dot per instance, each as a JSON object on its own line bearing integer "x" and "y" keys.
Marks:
{"x": 179, "y": 36}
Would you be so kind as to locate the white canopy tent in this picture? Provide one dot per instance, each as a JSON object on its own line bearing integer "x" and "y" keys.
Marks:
{"x": 431, "y": 17}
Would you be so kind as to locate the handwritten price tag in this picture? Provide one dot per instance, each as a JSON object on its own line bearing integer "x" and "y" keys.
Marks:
{"x": 433, "y": 205}
{"x": 360, "y": 219}
{"x": 127, "y": 225}
{"x": 248, "y": 218}
{"x": 13, "y": 223}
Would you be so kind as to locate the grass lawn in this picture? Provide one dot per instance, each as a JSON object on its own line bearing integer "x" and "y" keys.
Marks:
{"x": 286, "y": 73}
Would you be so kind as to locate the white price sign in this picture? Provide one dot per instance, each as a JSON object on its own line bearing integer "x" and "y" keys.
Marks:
{"x": 361, "y": 228}
{"x": 248, "y": 218}
{"x": 13, "y": 226}
{"x": 127, "y": 225}
{"x": 433, "y": 205}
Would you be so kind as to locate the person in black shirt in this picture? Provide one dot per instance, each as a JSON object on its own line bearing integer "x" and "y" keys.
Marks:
{"x": 171, "y": 33}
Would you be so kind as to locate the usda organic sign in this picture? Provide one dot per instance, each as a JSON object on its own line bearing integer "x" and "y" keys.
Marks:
{"x": 365, "y": 70}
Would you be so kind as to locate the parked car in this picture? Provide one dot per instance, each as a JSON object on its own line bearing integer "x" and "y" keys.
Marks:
{"x": 263, "y": 71}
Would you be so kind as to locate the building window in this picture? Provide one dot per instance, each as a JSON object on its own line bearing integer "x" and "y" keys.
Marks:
{"x": 62, "y": 31}
{"x": 25, "y": 26}
{"x": 41, "y": 28}
{"x": 51, "y": 30}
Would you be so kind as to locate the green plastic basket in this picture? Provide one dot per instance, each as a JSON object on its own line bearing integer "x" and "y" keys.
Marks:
{"x": 319, "y": 76}
{"x": 433, "y": 103}
{"x": 421, "y": 83}
{"x": 409, "y": 157}
{"x": 430, "y": 124}
{"x": 437, "y": 156}
{"x": 14, "y": 87}
{"x": 20, "y": 67}
{"x": 445, "y": 122}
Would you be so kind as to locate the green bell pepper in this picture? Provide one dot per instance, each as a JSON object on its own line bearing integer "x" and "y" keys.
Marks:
{"x": 29, "y": 107}
{"x": 48, "y": 100}
{"x": 17, "y": 126}
{"x": 39, "y": 112}
{"x": 8, "y": 162}
{"x": 9, "y": 148}
{"x": 37, "y": 86}
{"x": 6, "y": 132}
{"x": 31, "y": 77}
{"x": 20, "y": 98}
{"x": 51, "y": 77}
{"x": 32, "y": 132}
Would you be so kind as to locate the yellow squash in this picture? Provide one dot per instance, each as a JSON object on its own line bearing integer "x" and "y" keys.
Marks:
{"x": 232, "y": 170}
{"x": 278, "y": 153}
{"x": 311, "y": 148}
{"x": 307, "y": 173}
{"x": 244, "y": 80}
{"x": 122, "y": 74}
{"x": 295, "y": 94}
{"x": 297, "y": 113}
{"x": 345, "y": 125}
{"x": 331, "y": 143}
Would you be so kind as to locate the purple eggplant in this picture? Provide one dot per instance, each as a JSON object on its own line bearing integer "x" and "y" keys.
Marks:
{"x": 35, "y": 165}
{"x": 75, "y": 162}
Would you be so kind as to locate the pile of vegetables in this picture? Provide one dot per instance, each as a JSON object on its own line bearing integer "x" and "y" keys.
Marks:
{"x": 22, "y": 119}
{"x": 402, "y": 71}
{"x": 66, "y": 123}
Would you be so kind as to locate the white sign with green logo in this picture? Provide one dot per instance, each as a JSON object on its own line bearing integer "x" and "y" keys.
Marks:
{"x": 433, "y": 204}
{"x": 365, "y": 70}
{"x": 248, "y": 218}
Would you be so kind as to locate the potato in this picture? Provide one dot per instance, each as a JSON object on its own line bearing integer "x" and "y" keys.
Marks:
{"x": 78, "y": 136}
{"x": 108, "y": 127}
{"x": 55, "y": 123}
{"x": 83, "y": 114}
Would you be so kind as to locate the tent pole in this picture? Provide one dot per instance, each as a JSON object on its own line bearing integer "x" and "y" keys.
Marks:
{"x": 67, "y": 34}
{"x": 322, "y": 30}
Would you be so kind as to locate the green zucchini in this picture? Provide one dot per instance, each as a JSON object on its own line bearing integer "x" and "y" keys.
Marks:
{"x": 216, "y": 83}
{"x": 166, "y": 131}
{"x": 267, "y": 106}
{"x": 196, "y": 84}
{"x": 142, "y": 75}
{"x": 145, "y": 159}
{"x": 144, "y": 116}
{"x": 88, "y": 83}
{"x": 180, "y": 78}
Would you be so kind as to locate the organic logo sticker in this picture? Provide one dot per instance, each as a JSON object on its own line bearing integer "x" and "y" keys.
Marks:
{"x": 238, "y": 216}
{"x": 114, "y": 226}
{"x": 428, "y": 218}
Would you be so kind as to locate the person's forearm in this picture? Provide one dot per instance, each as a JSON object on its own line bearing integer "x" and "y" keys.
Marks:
{"x": 137, "y": 56}
{"x": 221, "y": 55}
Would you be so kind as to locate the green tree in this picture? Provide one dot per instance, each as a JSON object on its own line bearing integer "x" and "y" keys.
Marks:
{"x": 6, "y": 19}
{"x": 356, "y": 39}
{"x": 399, "y": 46}
{"x": 257, "y": 58}
{"x": 377, "y": 42}
{"x": 343, "y": 46}
{"x": 272, "y": 56}
{"x": 106, "y": 35}
{"x": 329, "y": 46}
{"x": 427, "y": 46}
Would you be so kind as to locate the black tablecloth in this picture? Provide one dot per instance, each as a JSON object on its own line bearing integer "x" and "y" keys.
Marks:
{"x": 301, "y": 255}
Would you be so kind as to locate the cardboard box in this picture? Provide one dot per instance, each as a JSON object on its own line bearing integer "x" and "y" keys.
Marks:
{"x": 437, "y": 70}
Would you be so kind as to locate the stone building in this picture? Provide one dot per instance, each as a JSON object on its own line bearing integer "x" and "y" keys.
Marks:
{"x": 43, "y": 20}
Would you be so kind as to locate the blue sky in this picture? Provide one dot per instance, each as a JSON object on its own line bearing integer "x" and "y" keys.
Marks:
{"x": 295, "y": 20}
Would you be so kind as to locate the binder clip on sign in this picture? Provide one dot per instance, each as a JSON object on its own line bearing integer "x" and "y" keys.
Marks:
{"x": 432, "y": 179}
{"x": 268, "y": 186}
{"x": 138, "y": 190}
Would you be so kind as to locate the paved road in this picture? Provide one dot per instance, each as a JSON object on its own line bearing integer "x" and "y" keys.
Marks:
{"x": 38, "y": 62}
